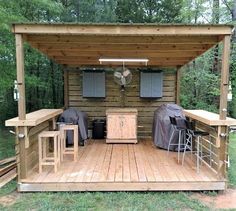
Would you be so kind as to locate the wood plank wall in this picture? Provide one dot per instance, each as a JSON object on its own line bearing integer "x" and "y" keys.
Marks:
{"x": 96, "y": 108}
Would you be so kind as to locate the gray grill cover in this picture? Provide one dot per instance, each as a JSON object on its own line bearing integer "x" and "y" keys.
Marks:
{"x": 75, "y": 117}
{"x": 162, "y": 129}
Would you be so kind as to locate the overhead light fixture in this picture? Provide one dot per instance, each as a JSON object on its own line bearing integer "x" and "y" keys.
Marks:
{"x": 123, "y": 60}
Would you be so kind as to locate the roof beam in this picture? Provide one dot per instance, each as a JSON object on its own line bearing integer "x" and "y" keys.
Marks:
{"x": 119, "y": 30}
{"x": 121, "y": 54}
{"x": 96, "y": 58}
{"x": 124, "y": 47}
{"x": 38, "y": 39}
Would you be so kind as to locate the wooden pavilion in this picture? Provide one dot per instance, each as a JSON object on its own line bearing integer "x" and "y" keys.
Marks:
{"x": 121, "y": 167}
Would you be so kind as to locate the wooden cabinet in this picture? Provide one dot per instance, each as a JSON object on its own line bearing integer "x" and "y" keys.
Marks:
{"x": 121, "y": 125}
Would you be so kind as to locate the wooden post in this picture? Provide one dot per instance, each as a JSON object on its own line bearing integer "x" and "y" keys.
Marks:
{"x": 22, "y": 170}
{"x": 224, "y": 77}
{"x": 222, "y": 152}
{"x": 66, "y": 91}
{"x": 20, "y": 75}
{"x": 178, "y": 78}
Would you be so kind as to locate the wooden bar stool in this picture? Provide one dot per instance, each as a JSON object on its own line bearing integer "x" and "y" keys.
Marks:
{"x": 44, "y": 158}
{"x": 69, "y": 150}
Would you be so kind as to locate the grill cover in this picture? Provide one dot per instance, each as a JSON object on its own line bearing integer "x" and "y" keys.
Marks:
{"x": 162, "y": 129}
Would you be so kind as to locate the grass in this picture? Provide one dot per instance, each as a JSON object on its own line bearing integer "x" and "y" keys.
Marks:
{"x": 232, "y": 153}
{"x": 103, "y": 201}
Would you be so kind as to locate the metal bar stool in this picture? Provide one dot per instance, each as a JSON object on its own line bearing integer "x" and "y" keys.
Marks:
{"x": 189, "y": 143}
{"x": 44, "y": 159}
{"x": 180, "y": 129}
{"x": 69, "y": 150}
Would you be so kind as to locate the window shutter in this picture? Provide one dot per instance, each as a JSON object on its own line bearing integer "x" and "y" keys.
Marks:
{"x": 94, "y": 84}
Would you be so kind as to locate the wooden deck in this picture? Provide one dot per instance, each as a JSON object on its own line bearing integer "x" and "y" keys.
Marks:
{"x": 123, "y": 167}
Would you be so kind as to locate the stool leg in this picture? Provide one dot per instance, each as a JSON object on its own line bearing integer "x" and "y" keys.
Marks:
{"x": 62, "y": 144}
{"x": 76, "y": 142}
{"x": 59, "y": 150}
{"x": 55, "y": 154}
{"x": 44, "y": 146}
{"x": 40, "y": 154}
{"x": 180, "y": 134}
{"x": 170, "y": 141}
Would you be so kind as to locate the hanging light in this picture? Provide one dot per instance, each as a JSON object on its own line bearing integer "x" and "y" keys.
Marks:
{"x": 123, "y": 60}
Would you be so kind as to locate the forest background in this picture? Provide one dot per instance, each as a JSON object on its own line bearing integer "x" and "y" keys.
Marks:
{"x": 44, "y": 78}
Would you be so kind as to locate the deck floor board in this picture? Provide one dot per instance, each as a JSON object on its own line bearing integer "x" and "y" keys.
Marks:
{"x": 128, "y": 164}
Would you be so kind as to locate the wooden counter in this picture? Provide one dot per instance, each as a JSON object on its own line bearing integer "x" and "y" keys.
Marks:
{"x": 121, "y": 125}
{"x": 34, "y": 118}
{"x": 209, "y": 118}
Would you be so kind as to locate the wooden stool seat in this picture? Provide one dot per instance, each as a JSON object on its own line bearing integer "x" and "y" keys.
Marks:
{"x": 69, "y": 150}
{"x": 44, "y": 159}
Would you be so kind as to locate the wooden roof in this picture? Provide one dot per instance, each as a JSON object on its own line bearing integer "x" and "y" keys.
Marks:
{"x": 84, "y": 44}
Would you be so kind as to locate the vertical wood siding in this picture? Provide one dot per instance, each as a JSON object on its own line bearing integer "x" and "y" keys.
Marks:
{"x": 95, "y": 108}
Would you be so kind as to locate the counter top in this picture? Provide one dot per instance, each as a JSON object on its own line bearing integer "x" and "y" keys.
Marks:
{"x": 34, "y": 118}
{"x": 209, "y": 118}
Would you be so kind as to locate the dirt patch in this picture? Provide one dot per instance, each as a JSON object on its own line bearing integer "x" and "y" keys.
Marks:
{"x": 227, "y": 200}
{"x": 9, "y": 199}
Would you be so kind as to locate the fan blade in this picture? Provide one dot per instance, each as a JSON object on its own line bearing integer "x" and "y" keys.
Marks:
{"x": 117, "y": 75}
{"x": 126, "y": 72}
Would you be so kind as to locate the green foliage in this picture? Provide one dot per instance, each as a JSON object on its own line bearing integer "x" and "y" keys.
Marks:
{"x": 199, "y": 86}
{"x": 148, "y": 11}
{"x": 232, "y": 104}
{"x": 7, "y": 143}
{"x": 232, "y": 157}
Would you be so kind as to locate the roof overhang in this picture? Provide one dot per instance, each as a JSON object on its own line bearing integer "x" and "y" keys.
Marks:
{"x": 83, "y": 44}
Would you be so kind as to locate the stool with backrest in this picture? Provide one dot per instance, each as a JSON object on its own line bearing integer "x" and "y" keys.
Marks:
{"x": 44, "y": 155}
{"x": 180, "y": 129}
{"x": 65, "y": 150}
{"x": 191, "y": 133}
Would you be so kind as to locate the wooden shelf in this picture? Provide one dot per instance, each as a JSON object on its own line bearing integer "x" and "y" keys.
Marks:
{"x": 209, "y": 118}
{"x": 34, "y": 118}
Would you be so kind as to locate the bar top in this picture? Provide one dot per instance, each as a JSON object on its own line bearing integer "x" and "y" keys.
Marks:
{"x": 209, "y": 118}
{"x": 34, "y": 118}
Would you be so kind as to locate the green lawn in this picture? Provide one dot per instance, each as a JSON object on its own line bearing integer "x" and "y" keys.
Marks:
{"x": 103, "y": 201}
{"x": 232, "y": 153}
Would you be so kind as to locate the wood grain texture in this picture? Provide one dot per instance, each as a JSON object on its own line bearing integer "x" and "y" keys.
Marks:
{"x": 96, "y": 108}
{"x": 124, "y": 167}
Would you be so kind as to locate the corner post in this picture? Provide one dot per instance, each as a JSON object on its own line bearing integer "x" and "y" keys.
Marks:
{"x": 20, "y": 75}
{"x": 222, "y": 148}
{"x": 224, "y": 77}
{"x": 178, "y": 77}
{"x": 22, "y": 167}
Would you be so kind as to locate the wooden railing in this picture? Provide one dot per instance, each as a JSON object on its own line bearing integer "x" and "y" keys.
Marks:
{"x": 216, "y": 144}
